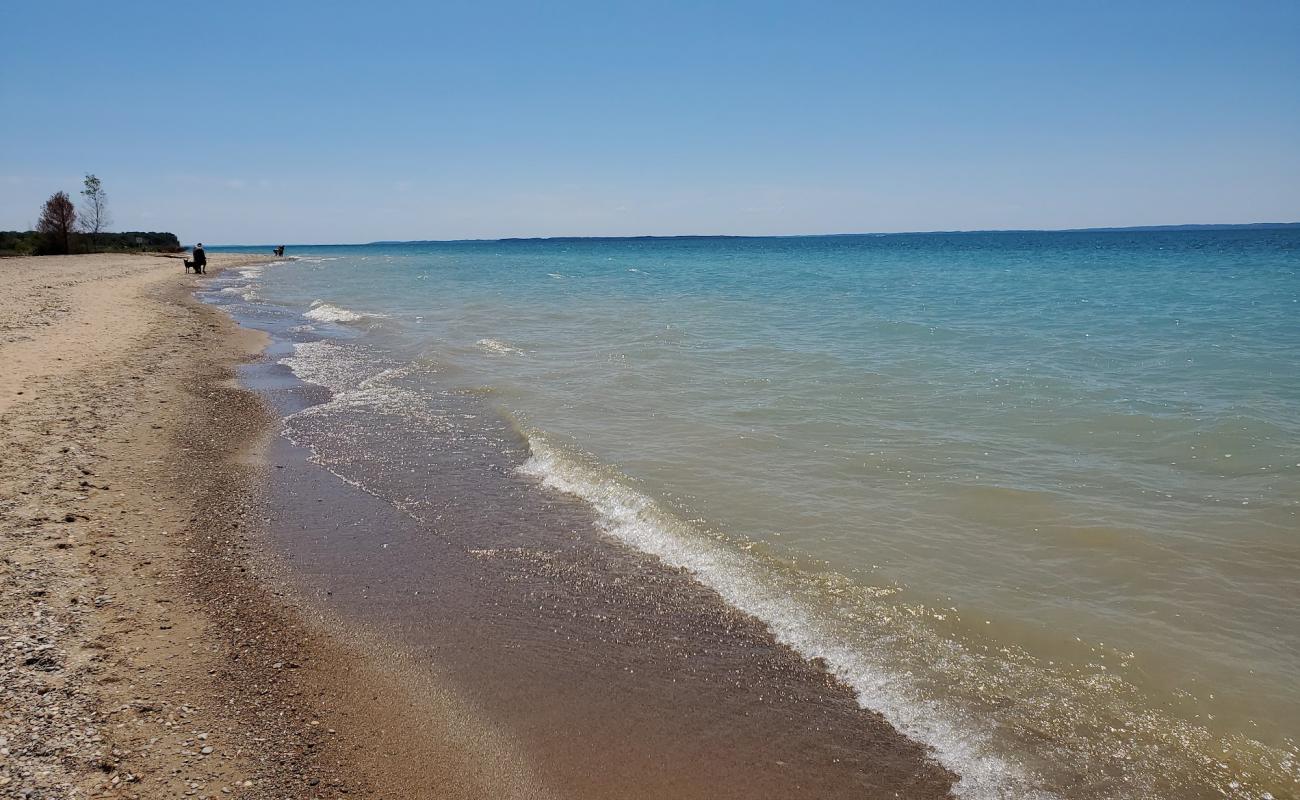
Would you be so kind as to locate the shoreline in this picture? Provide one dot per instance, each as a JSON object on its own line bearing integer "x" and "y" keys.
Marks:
{"x": 162, "y": 637}
{"x": 510, "y": 595}
{"x": 210, "y": 594}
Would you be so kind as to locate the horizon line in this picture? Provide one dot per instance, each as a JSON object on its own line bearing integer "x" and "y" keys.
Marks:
{"x": 643, "y": 237}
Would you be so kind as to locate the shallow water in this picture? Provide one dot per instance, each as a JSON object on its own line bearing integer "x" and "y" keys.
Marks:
{"x": 1032, "y": 496}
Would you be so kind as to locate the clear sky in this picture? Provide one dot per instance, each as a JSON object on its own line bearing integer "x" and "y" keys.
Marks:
{"x": 271, "y": 122}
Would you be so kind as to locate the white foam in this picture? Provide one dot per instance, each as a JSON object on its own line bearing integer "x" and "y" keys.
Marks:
{"x": 745, "y": 583}
{"x": 352, "y": 379}
{"x": 324, "y": 363}
{"x": 322, "y": 311}
{"x": 499, "y": 347}
{"x": 247, "y": 292}
{"x": 355, "y": 387}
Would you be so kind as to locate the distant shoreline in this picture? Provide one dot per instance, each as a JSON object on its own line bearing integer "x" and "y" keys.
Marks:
{"x": 1191, "y": 228}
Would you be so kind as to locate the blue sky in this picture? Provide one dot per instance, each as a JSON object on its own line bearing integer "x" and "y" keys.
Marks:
{"x": 316, "y": 122}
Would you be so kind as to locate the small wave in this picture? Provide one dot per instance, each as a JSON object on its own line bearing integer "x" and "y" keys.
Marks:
{"x": 354, "y": 383}
{"x": 498, "y": 347}
{"x": 356, "y": 379}
{"x": 744, "y": 583}
{"x": 327, "y": 364}
{"x": 356, "y": 387}
{"x": 322, "y": 311}
{"x": 257, "y": 270}
{"x": 248, "y": 293}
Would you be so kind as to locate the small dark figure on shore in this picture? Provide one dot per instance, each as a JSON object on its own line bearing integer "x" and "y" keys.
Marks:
{"x": 200, "y": 262}
{"x": 279, "y": 251}
{"x": 200, "y": 259}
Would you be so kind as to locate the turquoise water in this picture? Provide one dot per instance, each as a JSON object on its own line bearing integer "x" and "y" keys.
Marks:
{"x": 1032, "y": 495}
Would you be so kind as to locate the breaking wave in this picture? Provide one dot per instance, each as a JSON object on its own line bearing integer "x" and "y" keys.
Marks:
{"x": 747, "y": 584}
{"x": 322, "y": 311}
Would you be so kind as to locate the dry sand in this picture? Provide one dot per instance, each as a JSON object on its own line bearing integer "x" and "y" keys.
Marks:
{"x": 108, "y": 666}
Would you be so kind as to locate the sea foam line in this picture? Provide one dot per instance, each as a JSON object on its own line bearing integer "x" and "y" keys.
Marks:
{"x": 634, "y": 519}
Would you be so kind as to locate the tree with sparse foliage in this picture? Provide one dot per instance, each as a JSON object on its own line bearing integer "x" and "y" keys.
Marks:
{"x": 58, "y": 221}
{"x": 94, "y": 208}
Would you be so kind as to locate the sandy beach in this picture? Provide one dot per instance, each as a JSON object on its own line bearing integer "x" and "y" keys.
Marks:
{"x": 113, "y": 671}
{"x": 137, "y": 661}
{"x": 650, "y": 402}
{"x": 157, "y": 645}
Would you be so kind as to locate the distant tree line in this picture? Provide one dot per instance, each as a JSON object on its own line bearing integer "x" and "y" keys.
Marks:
{"x": 35, "y": 243}
{"x": 62, "y": 229}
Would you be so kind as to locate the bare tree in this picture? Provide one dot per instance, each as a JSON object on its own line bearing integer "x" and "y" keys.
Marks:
{"x": 58, "y": 221}
{"x": 94, "y": 209}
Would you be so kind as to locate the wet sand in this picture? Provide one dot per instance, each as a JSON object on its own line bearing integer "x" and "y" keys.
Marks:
{"x": 191, "y": 608}
{"x": 612, "y": 675}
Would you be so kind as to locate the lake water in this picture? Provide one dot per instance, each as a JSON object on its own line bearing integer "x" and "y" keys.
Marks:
{"x": 1033, "y": 496}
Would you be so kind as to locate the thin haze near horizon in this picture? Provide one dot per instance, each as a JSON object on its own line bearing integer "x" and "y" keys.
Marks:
{"x": 298, "y": 122}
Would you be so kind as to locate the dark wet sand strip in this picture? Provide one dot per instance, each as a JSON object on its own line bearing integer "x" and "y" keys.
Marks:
{"x": 608, "y": 673}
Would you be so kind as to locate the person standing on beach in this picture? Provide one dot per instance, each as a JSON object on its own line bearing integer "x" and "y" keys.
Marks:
{"x": 200, "y": 259}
